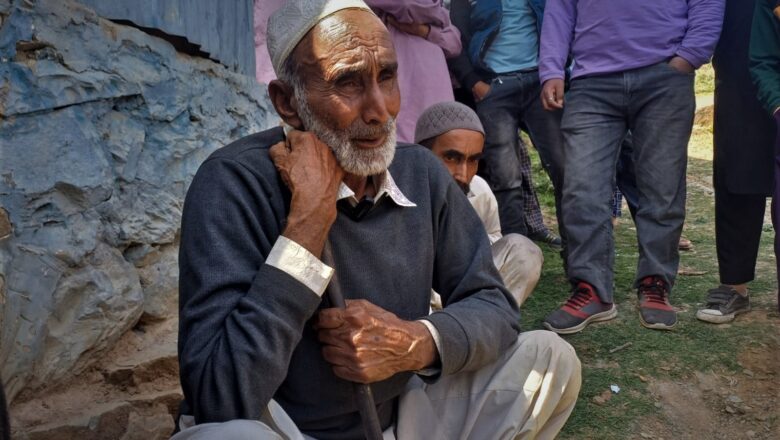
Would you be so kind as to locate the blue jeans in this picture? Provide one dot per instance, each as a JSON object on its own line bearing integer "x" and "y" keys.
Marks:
{"x": 513, "y": 103}
{"x": 657, "y": 104}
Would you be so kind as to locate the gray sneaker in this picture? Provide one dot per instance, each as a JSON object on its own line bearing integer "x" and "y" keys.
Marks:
{"x": 723, "y": 305}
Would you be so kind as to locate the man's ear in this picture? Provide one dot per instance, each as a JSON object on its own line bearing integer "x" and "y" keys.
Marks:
{"x": 283, "y": 99}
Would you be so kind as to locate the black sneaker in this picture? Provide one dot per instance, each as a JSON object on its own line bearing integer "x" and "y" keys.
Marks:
{"x": 655, "y": 311}
{"x": 582, "y": 308}
{"x": 724, "y": 303}
{"x": 547, "y": 238}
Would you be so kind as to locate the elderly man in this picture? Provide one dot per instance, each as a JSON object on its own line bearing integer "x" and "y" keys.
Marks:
{"x": 633, "y": 70}
{"x": 453, "y": 132}
{"x": 261, "y": 355}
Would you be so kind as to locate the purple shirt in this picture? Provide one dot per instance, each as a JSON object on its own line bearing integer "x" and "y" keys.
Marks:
{"x": 607, "y": 36}
{"x": 422, "y": 68}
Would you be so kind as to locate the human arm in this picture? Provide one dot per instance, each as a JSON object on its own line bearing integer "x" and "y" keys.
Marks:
{"x": 765, "y": 56}
{"x": 560, "y": 18}
{"x": 242, "y": 310}
{"x": 424, "y": 18}
{"x": 705, "y": 20}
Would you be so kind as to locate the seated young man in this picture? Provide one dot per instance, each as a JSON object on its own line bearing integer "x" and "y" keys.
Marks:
{"x": 453, "y": 132}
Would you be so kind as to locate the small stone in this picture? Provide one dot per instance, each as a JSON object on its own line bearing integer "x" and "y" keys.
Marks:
{"x": 750, "y": 434}
{"x": 730, "y": 410}
{"x": 658, "y": 405}
{"x": 748, "y": 372}
{"x": 645, "y": 435}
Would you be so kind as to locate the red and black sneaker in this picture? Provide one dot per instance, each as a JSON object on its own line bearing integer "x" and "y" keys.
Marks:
{"x": 654, "y": 309}
{"x": 582, "y": 308}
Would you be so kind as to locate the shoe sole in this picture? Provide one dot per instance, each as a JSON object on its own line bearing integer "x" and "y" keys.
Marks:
{"x": 719, "y": 319}
{"x": 657, "y": 326}
{"x": 598, "y": 317}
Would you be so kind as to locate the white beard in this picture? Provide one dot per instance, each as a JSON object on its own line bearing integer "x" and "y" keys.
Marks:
{"x": 354, "y": 160}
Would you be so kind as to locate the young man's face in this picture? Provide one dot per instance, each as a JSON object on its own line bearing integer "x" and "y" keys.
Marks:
{"x": 460, "y": 150}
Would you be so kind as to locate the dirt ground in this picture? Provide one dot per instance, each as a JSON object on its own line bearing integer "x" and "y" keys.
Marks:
{"x": 717, "y": 405}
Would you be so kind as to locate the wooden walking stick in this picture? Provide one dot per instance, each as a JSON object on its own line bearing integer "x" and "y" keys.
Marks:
{"x": 363, "y": 396}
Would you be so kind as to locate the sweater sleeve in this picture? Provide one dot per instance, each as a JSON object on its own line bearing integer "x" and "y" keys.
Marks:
{"x": 560, "y": 18}
{"x": 705, "y": 20}
{"x": 479, "y": 319}
{"x": 765, "y": 55}
{"x": 239, "y": 318}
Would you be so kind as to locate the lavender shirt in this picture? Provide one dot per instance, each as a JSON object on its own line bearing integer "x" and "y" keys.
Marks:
{"x": 607, "y": 36}
{"x": 422, "y": 68}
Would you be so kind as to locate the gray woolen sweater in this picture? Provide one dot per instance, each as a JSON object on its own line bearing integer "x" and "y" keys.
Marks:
{"x": 245, "y": 329}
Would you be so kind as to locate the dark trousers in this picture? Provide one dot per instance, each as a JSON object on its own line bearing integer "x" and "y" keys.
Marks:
{"x": 739, "y": 219}
{"x": 513, "y": 103}
{"x": 656, "y": 103}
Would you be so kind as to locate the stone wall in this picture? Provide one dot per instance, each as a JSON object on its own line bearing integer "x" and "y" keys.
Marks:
{"x": 101, "y": 130}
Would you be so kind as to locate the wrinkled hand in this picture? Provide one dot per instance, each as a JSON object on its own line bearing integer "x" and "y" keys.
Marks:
{"x": 366, "y": 343}
{"x": 552, "y": 94}
{"x": 307, "y": 166}
{"x": 681, "y": 65}
{"x": 480, "y": 89}
{"x": 417, "y": 29}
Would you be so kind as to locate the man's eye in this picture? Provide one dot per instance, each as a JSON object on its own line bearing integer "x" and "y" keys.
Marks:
{"x": 347, "y": 82}
{"x": 386, "y": 75}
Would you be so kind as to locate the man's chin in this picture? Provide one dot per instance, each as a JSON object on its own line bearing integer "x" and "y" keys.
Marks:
{"x": 464, "y": 187}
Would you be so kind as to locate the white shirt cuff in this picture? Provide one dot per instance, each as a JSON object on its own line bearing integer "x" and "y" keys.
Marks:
{"x": 299, "y": 263}
{"x": 436, "y": 341}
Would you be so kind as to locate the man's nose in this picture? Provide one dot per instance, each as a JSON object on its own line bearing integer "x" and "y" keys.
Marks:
{"x": 461, "y": 171}
{"x": 375, "y": 109}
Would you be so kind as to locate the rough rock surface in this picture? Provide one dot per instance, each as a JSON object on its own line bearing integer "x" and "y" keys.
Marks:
{"x": 101, "y": 129}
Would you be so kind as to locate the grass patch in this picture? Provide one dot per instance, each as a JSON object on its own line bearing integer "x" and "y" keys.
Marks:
{"x": 705, "y": 80}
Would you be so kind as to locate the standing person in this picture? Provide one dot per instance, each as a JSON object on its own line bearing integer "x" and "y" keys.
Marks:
{"x": 423, "y": 37}
{"x": 765, "y": 70}
{"x": 743, "y": 177}
{"x": 499, "y": 65}
{"x": 453, "y": 133}
{"x": 634, "y": 68}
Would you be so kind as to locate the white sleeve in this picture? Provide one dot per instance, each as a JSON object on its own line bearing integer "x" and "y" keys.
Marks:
{"x": 290, "y": 257}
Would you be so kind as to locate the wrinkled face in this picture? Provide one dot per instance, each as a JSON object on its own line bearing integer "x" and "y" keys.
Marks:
{"x": 349, "y": 72}
{"x": 460, "y": 150}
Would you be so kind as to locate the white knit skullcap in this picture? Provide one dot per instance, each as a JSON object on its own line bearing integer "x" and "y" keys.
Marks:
{"x": 443, "y": 117}
{"x": 288, "y": 25}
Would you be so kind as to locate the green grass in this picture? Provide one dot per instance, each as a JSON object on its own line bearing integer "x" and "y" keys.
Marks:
{"x": 655, "y": 355}
{"x": 705, "y": 80}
